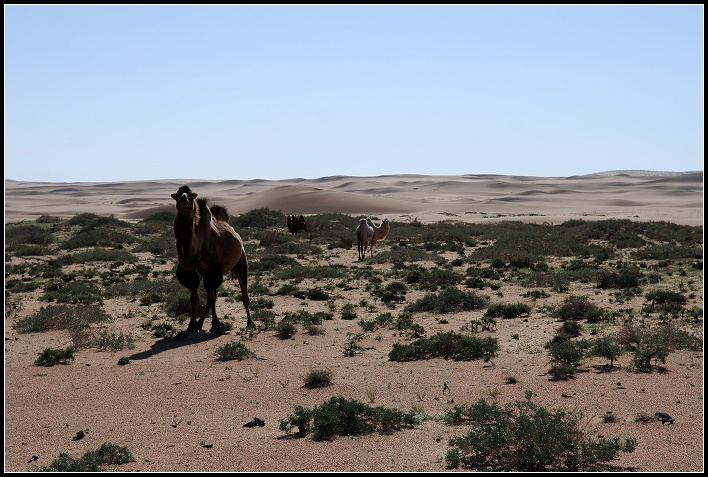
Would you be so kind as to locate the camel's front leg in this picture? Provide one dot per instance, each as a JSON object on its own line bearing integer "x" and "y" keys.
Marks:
{"x": 212, "y": 279}
{"x": 190, "y": 280}
{"x": 194, "y": 324}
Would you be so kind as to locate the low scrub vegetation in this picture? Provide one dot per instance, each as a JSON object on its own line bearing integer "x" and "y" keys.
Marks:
{"x": 623, "y": 296}
{"x": 523, "y": 436}
{"x": 92, "y": 460}
{"x": 448, "y": 345}
{"x": 345, "y": 417}
{"x": 233, "y": 350}
{"x": 51, "y": 356}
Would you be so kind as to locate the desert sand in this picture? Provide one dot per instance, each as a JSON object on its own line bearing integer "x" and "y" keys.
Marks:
{"x": 179, "y": 409}
{"x": 640, "y": 195}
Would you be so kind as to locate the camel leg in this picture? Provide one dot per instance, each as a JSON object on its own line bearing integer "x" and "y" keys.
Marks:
{"x": 241, "y": 272}
{"x": 190, "y": 280}
{"x": 212, "y": 279}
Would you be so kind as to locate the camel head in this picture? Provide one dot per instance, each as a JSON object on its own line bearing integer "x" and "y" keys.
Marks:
{"x": 184, "y": 197}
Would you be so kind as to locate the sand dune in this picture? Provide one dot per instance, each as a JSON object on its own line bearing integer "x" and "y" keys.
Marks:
{"x": 644, "y": 195}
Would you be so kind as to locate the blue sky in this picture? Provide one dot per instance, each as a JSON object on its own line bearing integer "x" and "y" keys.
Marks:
{"x": 117, "y": 93}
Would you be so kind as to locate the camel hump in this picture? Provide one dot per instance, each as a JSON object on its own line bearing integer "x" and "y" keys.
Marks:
{"x": 220, "y": 213}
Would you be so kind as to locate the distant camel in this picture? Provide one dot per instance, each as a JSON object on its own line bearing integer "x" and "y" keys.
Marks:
{"x": 207, "y": 247}
{"x": 380, "y": 232}
{"x": 364, "y": 234}
{"x": 296, "y": 223}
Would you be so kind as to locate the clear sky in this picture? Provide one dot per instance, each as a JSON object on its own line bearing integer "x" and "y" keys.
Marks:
{"x": 117, "y": 93}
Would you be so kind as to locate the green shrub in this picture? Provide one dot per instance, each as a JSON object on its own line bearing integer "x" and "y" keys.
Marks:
{"x": 571, "y": 328}
{"x": 527, "y": 437}
{"x": 448, "y": 345}
{"x": 343, "y": 417}
{"x": 567, "y": 351}
{"x": 348, "y": 312}
{"x": 27, "y": 233}
{"x": 271, "y": 262}
{"x": 449, "y": 300}
{"x": 50, "y": 356}
{"x": 663, "y": 297}
{"x": 561, "y": 371}
{"x": 233, "y": 350}
{"x": 317, "y": 273}
{"x": 575, "y": 308}
{"x": 163, "y": 330}
{"x": 98, "y": 238}
{"x": 92, "y": 460}
{"x": 352, "y": 347}
{"x": 658, "y": 342}
{"x": 73, "y": 292}
{"x": 259, "y": 218}
{"x": 317, "y": 294}
{"x": 162, "y": 217}
{"x": 103, "y": 339}
{"x": 285, "y": 329}
{"x": 507, "y": 310}
{"x": 59, "y": 317}
{"x": 481, "y": 411}
{"x": 608, "y": 348}
{"x": 618, "y": 280}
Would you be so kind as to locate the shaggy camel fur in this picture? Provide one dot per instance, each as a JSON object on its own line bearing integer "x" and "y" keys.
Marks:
{"x": 380, "y": 232}
{"x": 296, "y": 223}
{"x": 207, "y": 247}
{"x": 364, "y": 234}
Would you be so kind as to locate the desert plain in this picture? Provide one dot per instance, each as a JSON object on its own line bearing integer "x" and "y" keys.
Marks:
{"x": 179, "y": 408}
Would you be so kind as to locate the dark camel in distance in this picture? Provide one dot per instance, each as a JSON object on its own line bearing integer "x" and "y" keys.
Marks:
{"x": 296, "y": 223}
{"x": 207, "y": 247}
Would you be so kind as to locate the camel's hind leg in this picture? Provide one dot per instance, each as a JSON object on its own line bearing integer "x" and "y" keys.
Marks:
{"x": 241, "y": 272}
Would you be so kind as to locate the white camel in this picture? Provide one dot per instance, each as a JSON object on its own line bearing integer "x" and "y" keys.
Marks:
{"x": 364, "y": 235}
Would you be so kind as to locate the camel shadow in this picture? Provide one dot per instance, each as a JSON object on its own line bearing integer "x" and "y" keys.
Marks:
{"x": 167, "y": 344}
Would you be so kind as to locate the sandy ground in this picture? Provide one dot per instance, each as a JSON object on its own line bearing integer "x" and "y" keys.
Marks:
{"x": 179, "y": 409}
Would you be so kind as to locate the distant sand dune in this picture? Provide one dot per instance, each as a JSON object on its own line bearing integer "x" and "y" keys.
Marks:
{"x": 638, "y": 195}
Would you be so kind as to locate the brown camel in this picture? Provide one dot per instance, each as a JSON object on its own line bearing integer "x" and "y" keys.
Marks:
{"x": 207, "y": 247}
{"x": 296, "y": 223}
{"x": 364, "y": 233}
{"x": 380, "y": 232}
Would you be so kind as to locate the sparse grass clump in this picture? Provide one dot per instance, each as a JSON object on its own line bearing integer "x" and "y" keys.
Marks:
{"x": 318, "y": 378}
{"x": 524, "y": 436}
{"x": 343, "y": 417}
